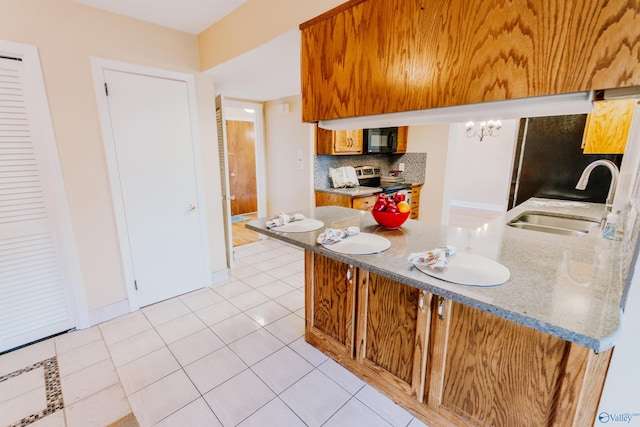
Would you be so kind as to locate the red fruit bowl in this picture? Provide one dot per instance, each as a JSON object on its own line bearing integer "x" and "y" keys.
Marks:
{"x": 390, "y": 220}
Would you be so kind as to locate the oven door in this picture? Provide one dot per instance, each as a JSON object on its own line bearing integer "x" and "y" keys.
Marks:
{"x": 406, "y": 192}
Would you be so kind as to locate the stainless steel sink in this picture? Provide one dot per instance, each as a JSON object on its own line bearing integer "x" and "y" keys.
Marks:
{"x": 554, "y": 223}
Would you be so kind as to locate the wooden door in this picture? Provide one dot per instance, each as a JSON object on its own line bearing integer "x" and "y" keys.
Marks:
{"x": 242, "y": 167}
{"x": 152, "y": 135}
{"x": 330, "y": 298}
{"x": 393, "y": 324}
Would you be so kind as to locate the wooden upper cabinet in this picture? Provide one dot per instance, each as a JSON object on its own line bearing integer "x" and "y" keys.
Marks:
{"x": 339, "y": 141}
{"x": 403, "y": 137}
{"x": 379, "y": 56}
{"x": 607, "y": 127}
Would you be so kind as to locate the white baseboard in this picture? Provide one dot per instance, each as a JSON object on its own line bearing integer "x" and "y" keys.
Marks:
{"x": 475, "y": 205}
{"x": 219, "y": 276}
{"x": 108, "y": 312}
{"x": 111, "y": 311}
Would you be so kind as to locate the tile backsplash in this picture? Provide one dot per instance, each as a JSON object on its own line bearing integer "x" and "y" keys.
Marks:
{"x": 414, "y": 165}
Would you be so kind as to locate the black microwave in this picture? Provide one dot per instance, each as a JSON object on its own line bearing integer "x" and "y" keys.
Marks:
{"x": 381, "y": 140}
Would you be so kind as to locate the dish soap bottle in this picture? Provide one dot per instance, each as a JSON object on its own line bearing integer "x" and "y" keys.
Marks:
{"x": 610, "y": 226}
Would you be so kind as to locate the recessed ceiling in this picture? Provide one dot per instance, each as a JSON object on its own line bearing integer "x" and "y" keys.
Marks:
{"x": 191, "y": 16}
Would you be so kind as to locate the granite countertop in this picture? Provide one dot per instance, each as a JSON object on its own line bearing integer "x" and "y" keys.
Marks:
{"x": 569, "y": 287}
{"x": 357, "y": 191}
{"x": 352, "y": 191}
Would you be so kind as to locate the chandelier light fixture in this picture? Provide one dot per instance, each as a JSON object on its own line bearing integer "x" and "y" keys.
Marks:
{"x": 482, "y": 129}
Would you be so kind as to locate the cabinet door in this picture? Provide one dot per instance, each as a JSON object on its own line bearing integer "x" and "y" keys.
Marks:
{"x": 347, "y": 141}
{"x": 338, "y": 141}
{"x": 331, "y": 199}
{"x": 486, "y": 370}
{"x": 607, "y": 127}
{"x": 324, "y": 141}
{"x": 364, "y": 203}
{"x": 330, "y": 290}
{"x": 415, "y": 201}
{"x": 393, "y": 320}
{"x": 403, "y": 138}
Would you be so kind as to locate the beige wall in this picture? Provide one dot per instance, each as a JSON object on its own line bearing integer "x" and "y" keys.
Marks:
{"x": 433, "y": 140}
{"x": 236, "y": 33}
{"x": 288, "y": 188}
{"x": 67, "y": 35}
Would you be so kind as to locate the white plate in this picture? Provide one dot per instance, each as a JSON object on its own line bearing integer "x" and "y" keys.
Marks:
{"x": 470, "y": 269}
{"x": 302, "y": 226}
{"x": 360, "y": 244}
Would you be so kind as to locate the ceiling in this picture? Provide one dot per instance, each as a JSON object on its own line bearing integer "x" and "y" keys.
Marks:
{"x": 270, "y": 71}
{"x": 191, "y": 16}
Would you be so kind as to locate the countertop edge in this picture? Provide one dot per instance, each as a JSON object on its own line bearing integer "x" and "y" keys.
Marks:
{"x": 597, "y": 344}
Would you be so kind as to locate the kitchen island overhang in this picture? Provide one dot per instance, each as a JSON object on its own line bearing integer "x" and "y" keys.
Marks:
{"x": 568, "y": 287}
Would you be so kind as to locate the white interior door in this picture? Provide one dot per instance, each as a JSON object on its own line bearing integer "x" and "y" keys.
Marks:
{"x": 151, "y": 124}
{"x": 39, "y": 288}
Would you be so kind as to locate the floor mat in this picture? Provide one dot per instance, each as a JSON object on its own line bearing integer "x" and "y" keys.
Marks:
{"x": 239, "y": 218}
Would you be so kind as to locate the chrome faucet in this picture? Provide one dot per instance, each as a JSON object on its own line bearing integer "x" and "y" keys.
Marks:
{"x": 584, "y": 179}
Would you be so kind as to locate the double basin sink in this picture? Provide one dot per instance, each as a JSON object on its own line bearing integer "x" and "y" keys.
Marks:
{"x": 554, "y": 223}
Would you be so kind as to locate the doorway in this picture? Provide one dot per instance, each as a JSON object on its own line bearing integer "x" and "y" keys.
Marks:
{"x": 152, "y": 153}
{"x": 242, "y": 168}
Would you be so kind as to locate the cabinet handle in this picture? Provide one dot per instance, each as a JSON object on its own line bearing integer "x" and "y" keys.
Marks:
{"x": 421, "y": 306}
{"x": 441, "y": 308}
{"x": 349, "y": 274}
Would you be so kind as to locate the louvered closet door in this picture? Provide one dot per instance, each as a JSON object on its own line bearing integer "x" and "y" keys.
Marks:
{"x": 33, "y": 303}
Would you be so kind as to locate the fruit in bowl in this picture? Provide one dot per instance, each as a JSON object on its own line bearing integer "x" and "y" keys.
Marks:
{"x": 391, "y": 211}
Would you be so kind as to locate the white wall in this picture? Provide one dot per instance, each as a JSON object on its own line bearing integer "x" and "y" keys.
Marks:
{"x": 289, "y": 182}
{"x": 432, "y": 140}
{"x": 480, "y": 171}
{"x": 67, "y": 34}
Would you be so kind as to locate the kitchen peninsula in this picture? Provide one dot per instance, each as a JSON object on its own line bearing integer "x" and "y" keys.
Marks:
{"x": 533, "y": 351}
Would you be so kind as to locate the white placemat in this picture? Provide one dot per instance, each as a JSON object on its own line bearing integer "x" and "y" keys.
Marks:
{"x": 472, "y": 270}
{"x": 302, "y": 226}
{"x": 360, "y": 244}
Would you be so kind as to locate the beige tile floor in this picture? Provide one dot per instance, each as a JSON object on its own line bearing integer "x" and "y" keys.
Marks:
{"x": 228, "y": 355}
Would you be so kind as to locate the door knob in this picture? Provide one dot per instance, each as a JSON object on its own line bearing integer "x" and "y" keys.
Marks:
{"x": 192, "y": 207}
{"x": 232, "y": 174}
{"x": 232, "y": 197}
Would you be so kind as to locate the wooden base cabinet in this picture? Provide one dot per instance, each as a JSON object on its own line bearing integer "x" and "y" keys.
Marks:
{"x": 392, "y": 328}
{"x": 361, "y": 203}
{"x": 330, "y": 290}
{"x": 495, "y": 372}
{"x": 447, "y": 363}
